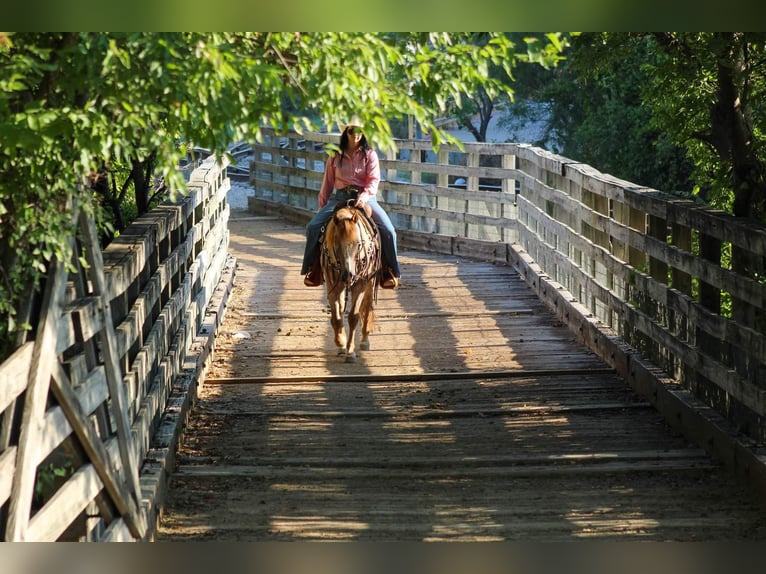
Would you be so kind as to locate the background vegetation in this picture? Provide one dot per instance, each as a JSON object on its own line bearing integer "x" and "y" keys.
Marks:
{"x": 679, "y": 112}
{"x": 102, "y": 120}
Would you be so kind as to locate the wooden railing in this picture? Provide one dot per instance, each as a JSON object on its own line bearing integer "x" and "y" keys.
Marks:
{"x": 91, "y": 407}
{"x": 642, "y": 277}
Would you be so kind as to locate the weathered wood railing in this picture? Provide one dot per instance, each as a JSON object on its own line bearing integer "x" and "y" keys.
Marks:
{"x": 642, "y": 277}
{"x": 91, "y": 407}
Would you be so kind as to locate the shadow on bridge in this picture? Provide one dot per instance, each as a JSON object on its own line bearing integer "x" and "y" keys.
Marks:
{"x": 475, "y": 416}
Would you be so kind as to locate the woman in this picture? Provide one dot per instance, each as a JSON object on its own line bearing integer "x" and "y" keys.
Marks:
{"x": 354, "y": 173}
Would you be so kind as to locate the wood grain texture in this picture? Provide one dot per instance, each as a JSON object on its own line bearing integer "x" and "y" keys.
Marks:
{"x": 526, "y": 436}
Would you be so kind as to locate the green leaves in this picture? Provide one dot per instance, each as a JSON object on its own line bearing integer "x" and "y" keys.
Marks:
{"x": 73, "y": 105}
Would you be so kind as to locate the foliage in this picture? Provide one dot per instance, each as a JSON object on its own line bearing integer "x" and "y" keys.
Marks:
{"x": 49, "y": 478}
{"x": 543, "y": 49}
{"x": 702, "y": 93}
{"x": 717, "y": 111}
{"x": 598, "y": 116}
{"x": 74, "y": 107}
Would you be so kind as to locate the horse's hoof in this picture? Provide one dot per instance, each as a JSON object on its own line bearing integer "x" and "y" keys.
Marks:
{"x": 364, "y": 345}
{"x": 351, "y": 358}
{"x": 341, "y": 351}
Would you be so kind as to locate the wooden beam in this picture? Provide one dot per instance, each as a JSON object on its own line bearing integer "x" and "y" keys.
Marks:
{"x": 108, "y": 342}
{"x": 14, "y": 373}
{"x": 43, "y": 363}
{"x": 408, "y": 377}
{"x": 97, "y": 454}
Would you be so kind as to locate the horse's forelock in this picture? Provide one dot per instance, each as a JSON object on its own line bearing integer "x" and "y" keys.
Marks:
{"x": 345, "y": 220}
{"x": 344, "y": 214}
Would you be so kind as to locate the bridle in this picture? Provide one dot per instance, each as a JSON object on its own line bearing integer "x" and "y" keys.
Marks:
{"x": 365, "y": 259}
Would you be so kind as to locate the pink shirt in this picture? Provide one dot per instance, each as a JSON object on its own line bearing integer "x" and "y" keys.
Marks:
{"x": 354, "y": 171}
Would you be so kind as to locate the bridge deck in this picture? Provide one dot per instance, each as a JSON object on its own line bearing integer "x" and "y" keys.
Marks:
{"x": 475, "y": 416}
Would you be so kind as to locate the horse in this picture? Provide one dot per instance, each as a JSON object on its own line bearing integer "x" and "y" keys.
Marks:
{"x": 350, "y": 262}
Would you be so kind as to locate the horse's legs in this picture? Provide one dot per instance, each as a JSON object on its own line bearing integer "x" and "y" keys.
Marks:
{"x": 336, "y": 319}
{"x": 357, "y": 296}
{"x": 368, "y": 317}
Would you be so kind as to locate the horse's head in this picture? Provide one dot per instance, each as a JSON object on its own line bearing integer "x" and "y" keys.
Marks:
{"x": 348, "y": 243}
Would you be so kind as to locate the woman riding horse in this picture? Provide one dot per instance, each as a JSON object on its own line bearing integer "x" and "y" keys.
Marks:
{"x": 353, "y": 174}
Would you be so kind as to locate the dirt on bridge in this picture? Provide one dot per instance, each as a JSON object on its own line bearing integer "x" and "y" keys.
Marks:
{"x": 475, "y": 416}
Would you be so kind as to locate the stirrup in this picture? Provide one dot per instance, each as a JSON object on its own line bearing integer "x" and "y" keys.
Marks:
{"x": 388, "y": 281}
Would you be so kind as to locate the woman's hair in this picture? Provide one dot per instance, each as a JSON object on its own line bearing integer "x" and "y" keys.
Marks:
{"x": 344, "y": 145}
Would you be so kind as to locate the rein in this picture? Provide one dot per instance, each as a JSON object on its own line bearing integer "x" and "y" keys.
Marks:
{"x": 366, "y": 260}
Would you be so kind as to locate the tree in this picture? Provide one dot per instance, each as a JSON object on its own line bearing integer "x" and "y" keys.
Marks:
{"x": 705, "y": 93}
{"x": 545, "y": 50}
{"x": 716, "y": 110}
{"x": 597, "y": 115}
{"x": 75, "y": 108}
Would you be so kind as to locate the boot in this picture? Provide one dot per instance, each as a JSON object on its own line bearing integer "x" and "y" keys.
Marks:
{"x": 314, "y": 277}
{"x": 388, "y": 280}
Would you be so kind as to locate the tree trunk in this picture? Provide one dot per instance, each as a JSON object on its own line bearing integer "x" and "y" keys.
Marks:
{"x": 140, "y": 185}
{"x": 733, "y": 137}
{"x": 732, "y": 128}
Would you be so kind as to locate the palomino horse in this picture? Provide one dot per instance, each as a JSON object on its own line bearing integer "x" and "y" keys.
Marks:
{"x": 350, "y": 259}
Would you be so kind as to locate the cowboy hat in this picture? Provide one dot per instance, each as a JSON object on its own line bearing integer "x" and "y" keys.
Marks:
{"x": 353, "y": 122}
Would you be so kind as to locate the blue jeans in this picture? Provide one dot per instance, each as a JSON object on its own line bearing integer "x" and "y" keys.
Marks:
{"x": 385, "y": 228}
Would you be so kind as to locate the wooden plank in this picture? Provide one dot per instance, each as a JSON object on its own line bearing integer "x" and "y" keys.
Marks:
{"x": 91, "y": 395}
{"x": 372, "y": 460}
{"x": 65, "y": 506}
{"x": 7, "y": 468}
{"x": 86, "y": 314}
{"x": 111, "y": 357}
{"x": 117, "y": 531}
{"x": 94, "y": 449}
{"x": 430, "y": 190}
{"x": 42, "y": 365}
{"x": 458, "y": 469}
{"x": 446, "y": 413}
{"x": 483, "y": 250}
{"x": 403, "y": 377}
{"x": 14, "y": 374}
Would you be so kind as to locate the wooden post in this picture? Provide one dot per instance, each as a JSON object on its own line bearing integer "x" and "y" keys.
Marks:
{"x": 681, "y": 281}
{"x": 710, "y": 299}
{"x": 508, "y": 188}
{"x": 472, "y": 184}
{"x": 108, "y": 344}
{"x": 391, "y": 172}
{"x": 43, "y": 364}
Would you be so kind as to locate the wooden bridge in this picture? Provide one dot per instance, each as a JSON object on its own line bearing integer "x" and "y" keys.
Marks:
{"x": 474, "y": 416}
{"x": 557, "y": 364}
